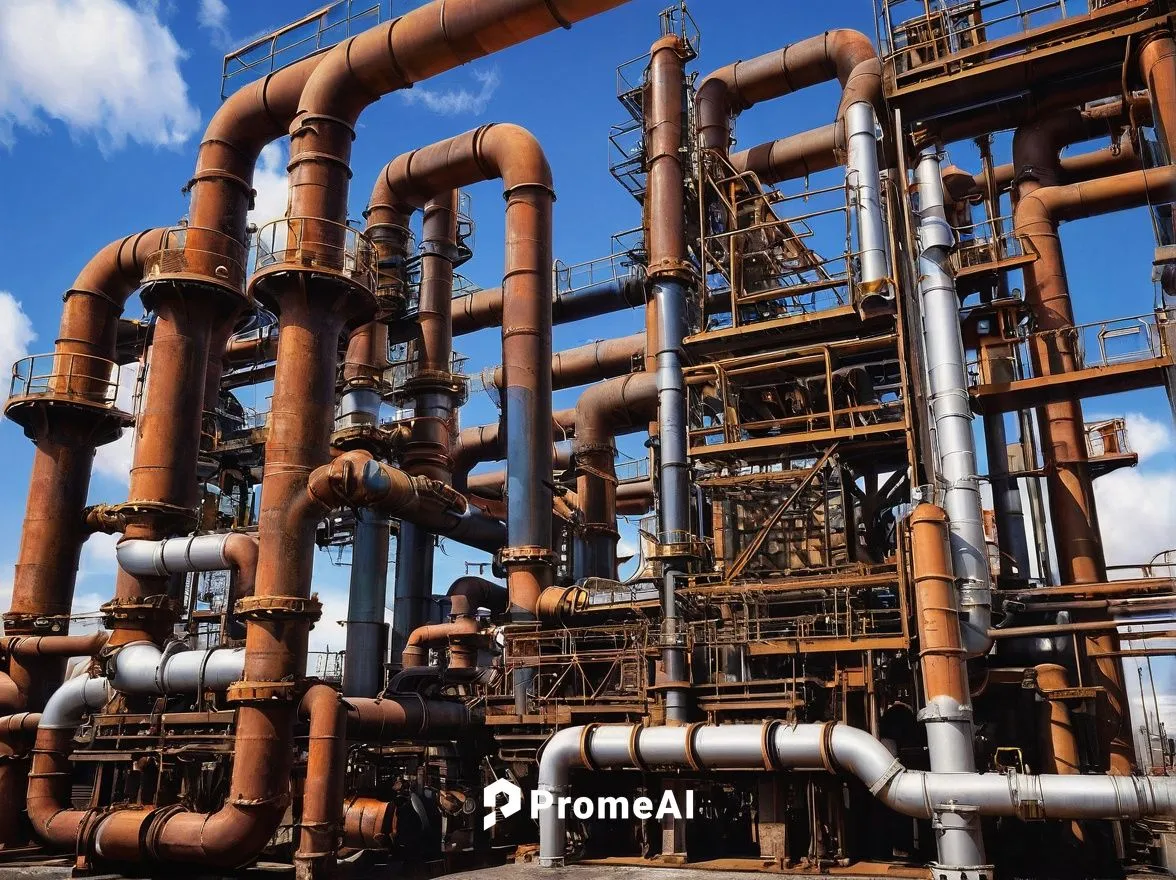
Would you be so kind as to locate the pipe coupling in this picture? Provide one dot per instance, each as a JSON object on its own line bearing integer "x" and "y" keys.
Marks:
{"x": 268, "y": 608}
{"x": 263, "y": 691}
{"x": 137, "y": 610}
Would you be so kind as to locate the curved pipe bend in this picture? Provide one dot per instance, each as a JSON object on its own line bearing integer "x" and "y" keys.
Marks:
{"x": 779, "y": 746}
{"x": 219, "y": 552}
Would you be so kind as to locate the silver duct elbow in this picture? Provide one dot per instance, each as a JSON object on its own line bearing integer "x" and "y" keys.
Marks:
{"x": 864, "y": 182}
{"x": 951, "y": 411}
{"x": 67, "y": 706}
{"x": 143, "y": 668}
{"x": 175, "y": 555}
{"x": 954, "y": 800}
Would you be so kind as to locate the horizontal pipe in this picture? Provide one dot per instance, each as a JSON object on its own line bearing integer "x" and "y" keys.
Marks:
{"x": 775, "y": 746}
{"x": 221, "y": 552}
{"x": 483, "y": 308}
{"x": 144, "y": 668}
{"x": 586, "y": 363}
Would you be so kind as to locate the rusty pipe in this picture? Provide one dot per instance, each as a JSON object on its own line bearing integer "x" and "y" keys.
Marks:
{"x": 845, "y": 55}
{"x": 1157, "y": 63}
{"x": 1058, "y": 743}
{"x": 585, "y": 363}
{"x": 948, "y": 712}
{"x": 601, "y": 412}
{"x": 322, "y": 794}
{"x": 512, "y": 154}
{"x": 429, "y": 40}
{"x": 54, "y": 646}
{"x": 483, "y": 308}
{"x": 795, "y": 156}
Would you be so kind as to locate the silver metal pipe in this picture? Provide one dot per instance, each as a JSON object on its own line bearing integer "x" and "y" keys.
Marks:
{"x": 864, "y": 181}
{"x": 951, "y": 412}
{"x": 673, "y": 478}
{"x": 948, "y": 798}
{"x": 68, "y": 704}
{"x": 175, "y": 555}
{"x": 145, "y": 668}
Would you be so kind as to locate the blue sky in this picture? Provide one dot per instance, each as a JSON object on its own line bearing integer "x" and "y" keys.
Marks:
{"x": 102, "y": 103}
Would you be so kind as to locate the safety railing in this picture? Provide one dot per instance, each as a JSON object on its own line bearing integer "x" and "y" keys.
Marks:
{"x": 601, "y": 270}
{"x": 1088, "y": 346}
{"x": 985, "y": 244}
{"x": 631, "y": 470}
{"x": 312, "y": 33}
{"x": 198, "y": 251}
{"x": 760, "y": 239}
{"x": 1108, "y": 437}
{"x": 313, "y": 243}
{"x": 919, "y": 33}
{"x": 82, "y": 378}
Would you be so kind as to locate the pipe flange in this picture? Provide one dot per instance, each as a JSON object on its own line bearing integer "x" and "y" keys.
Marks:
{"x": 278, "y": 608}
{"x": 381, "y": 442}
{"x": 692, "y": 747}
{"x": 635, "y": 749}
{"x": 172, "y": 517}
{"x": 586, "y": 746}
{"x": 263, "y": 691}
{"x": 526, "y": 555}
{"x": 21, "y": 624}
{"x": 828, "y": 759}
{"x": 680, "y": 270}
{"x": 768, "y": 744}
{"x": 432, "y": 382}
{"x": 138, "y": 610}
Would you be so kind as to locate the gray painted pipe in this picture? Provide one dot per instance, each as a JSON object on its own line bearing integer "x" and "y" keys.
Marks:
{"x": 1006, "y": 498}
{"x": 365, "y": 644}
{"x": 66, "y": 707}
{"x": 945, "y": 797}
{"x": 174, "y": 555}
{"x": 414, "y": 584}
{"x": 864, "y": 182}
{"x": 951, "y": 412}
{"x": 673, "y": 474}
{"x": 144, "y": 668}
{"x": 366, "y": 634}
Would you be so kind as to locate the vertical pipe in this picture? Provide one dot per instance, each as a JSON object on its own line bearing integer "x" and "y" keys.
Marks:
{"x": 669, "y": 271}
{"x": 367, "y": 634}
{"x": 865, "y": 191}
{"x": 951, "y": 411}
{"x": 948, "y": 711}
{"x": 1006, "y": 498}
{"x": 164, "y": 489}
{"x": 435, "y": 400}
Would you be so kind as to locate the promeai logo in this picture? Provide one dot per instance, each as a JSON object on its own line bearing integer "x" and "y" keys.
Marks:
{"x": 491, "y": 793}
{"x": 581, "y": 807}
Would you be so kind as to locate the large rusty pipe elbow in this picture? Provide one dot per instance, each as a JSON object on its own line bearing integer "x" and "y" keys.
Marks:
{"x": 433, "y": 635}
{"x": 514, "y": 155}
{"x": 846, "y": 55}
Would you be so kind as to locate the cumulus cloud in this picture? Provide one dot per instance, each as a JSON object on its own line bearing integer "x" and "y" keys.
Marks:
{"x": 105, "y": 68}
{"x": 271, "y": 184}
{"x": 16, "y": 332}
{"x": 457, "y": 101}
{"x": 1137, "y": 506}
{"x": 114, "y": 459}
{"x": 213, "y": 16}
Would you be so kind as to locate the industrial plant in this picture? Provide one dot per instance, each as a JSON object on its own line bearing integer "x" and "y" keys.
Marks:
{"x": 866, "y": 627}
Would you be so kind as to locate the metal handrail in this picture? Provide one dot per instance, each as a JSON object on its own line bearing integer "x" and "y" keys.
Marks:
{"x": 198, "y": 250}
{"x": 991, "y": 241}
{"x": 84, "y": 378}
{"x": 312, "y": 242}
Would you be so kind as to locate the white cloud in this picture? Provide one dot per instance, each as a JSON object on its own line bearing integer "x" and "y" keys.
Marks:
{"x": 114, "y": 459}
{"x": 213, "y": 16}
{"x": 271, "y": 184}
{"x": 459, "y": 101}
{"x": 104, "y": 68}
{"x": 16, "y": 332}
